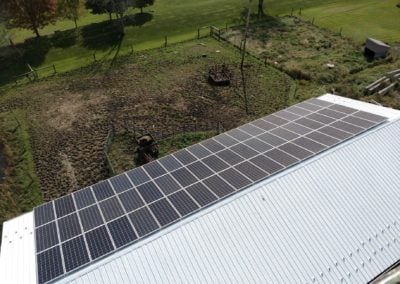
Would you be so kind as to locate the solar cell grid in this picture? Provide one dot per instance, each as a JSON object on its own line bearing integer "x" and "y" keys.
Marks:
{"x": 215, "y": 163}
{"x": 238, "y": 134}
{"x": 103, "y": 190}
{"x": 275, "y": 120}
{"x": 284, "y": 134}
{"x": 261, "y": 123}
{"x": 170, "y": 163}
{"x": 44, "y": 214}
{"x": 49, "y": 265}
{"x": 167, "y": 184}
{"x": 149, "y": 191}
{"x": 251, "y": 129}
{"x": 226, "y": 140}
{"x": 258, "y": 145}
{"x": 84, "y": 198}
{"x": 75, "y": 253}
{"x": 143, "y": 221}
{"x": 90, "y": 217}
{"x": 64, "y": 206}
{"x": 111, "y": 208}
{"x": 230, "y": 157}
{"x": 201, "y": 194}
{"x": 183, "y": 203}
{"x": 131, "y": 200}
{"x": 287, "y": 115}
{"x": 369, "y": 116}
{"x": 154, "y": 169}
{"x": 121, "y": 231}
{"x": 138, "y": 176}
{"x": 164, "y": 212}
{"x": 99, "y": 242}
{"x": 296, "y": 151}
{"x": 200, "y": 170}
{"x": 69, "y": 227}
{"x": 267, "y": 164}
{"x": 298, "y": 110}
{"x": 251, "y": 171}
{"x": 244, "y": 151}
{"x": 146, "y": 199}
{"x": 218, "y": 186}
{"x": 46, "y": 236}
{"x": 359, "y": 121}
{"x": 297, "y": 128}
{"x": 236, "y": 179}
{"x": 212, "y": 145}
{"x": 184, "y": 177}
{"x": 199, "y": 151}
{"x": 120, "y": 183}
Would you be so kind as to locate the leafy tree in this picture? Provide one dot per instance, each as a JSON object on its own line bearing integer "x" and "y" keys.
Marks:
{"x": 109, "y": 6}
{"x": 140, "y": 4}
{"x": 31, "y": 14}
{"x": 69, "y": 9}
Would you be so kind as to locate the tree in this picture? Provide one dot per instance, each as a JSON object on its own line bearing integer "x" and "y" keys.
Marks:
{"x": 31, "y": 14}
{"x": 109, "y": 6}
{"x": 69, "y": 9}
{"x": 140, "y": 4}
{"x": 261, "y": 8}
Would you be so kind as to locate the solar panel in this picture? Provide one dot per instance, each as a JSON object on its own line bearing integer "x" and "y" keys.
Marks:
{"x": 76, "y": 229}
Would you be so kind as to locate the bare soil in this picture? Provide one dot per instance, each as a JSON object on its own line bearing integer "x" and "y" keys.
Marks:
{"x": 154, "y": 91}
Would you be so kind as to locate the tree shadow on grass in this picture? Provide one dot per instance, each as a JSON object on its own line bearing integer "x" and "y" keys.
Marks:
{"x": 138, "y": 19}
{"x": 14, "y": 60}
{"x": 101, "y": 36}
{"x": 64, "y": 39}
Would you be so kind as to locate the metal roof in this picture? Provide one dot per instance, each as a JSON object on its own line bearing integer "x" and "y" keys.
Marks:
{"x": 330, "y": 219}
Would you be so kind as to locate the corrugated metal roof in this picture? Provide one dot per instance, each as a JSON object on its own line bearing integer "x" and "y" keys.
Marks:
{"x": 17, "y": 255}
{"x": 330, "y": 220}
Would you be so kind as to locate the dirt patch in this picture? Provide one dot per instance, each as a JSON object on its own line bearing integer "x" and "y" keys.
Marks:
{"x": 152, "y": 92}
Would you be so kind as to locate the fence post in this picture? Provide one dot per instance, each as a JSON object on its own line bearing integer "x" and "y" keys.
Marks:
{"x": 300, "y": 12}
{"x": 211, "y": 31}
{"x": 219, "y": 34}
{"x": 313, "y": 21}
{"x": 94, "y": 57}
{"x": 166, "y": 41}
{"x": 340, "y": 32}
{"x": 131, "y": 49}
{"x": 54, "y": 68}
{"x": 198, "y": 33}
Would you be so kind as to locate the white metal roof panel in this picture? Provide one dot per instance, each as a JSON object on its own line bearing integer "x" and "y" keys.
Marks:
{"x": 332, "y": 219}
{"x": 17, "y": 255}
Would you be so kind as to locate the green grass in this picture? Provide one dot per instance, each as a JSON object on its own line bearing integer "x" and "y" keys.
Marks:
{"x": 180, "y": 21}
{"x": 20, "y": 191}
{"x": 359, "y": 19}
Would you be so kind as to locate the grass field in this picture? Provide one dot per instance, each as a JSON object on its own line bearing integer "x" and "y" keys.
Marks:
{"x": 179, "y": 20}
{"x": 359, "y": 19}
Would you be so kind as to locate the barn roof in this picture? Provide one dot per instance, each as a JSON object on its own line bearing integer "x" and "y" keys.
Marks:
{"x": 332, "y": 218}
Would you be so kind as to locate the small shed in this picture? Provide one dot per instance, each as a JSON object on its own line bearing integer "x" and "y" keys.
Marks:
{"x": 376, "y": 49}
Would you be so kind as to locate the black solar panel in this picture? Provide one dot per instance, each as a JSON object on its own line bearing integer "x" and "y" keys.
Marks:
{"x": 75, "y": 253}
{"x": 64, "y": 206}
{"x": 121, "y": 231}
{"x": 76, "y": 229}
{"x": 84, "y": 198}
{"x": 99, "y": 242}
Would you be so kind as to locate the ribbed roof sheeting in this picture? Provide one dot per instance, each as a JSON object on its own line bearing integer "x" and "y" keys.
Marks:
{"x": 331, "y": 220}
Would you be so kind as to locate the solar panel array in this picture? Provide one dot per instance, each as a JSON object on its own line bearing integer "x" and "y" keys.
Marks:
{"x": 79, "y": 228}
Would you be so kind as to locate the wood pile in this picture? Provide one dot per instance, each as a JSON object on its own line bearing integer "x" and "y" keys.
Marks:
{"x": 389, "y": 82}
